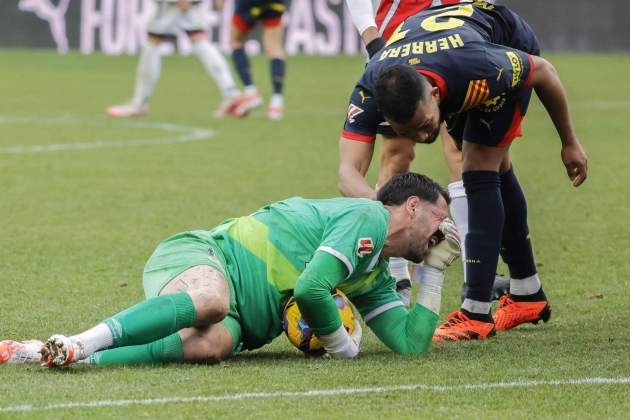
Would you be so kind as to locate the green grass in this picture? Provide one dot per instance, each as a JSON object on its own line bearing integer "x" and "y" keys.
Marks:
{"x": 77, "y": 227}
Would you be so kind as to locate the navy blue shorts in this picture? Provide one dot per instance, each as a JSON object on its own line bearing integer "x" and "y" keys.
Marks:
{"x": 248, "y": 12}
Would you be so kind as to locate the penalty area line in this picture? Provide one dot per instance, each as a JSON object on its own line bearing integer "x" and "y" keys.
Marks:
{"x": 315, "y": 393}
{"x": 175, "y": 133}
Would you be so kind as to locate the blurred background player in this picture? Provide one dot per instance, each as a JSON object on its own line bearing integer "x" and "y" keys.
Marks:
{"x": 398, "y": 154}
{"x": 169, "y": 17}
{"x": 246, "y": 14}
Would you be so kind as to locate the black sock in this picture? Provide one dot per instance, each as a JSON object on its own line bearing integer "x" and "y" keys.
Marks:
{"x": 516, "y": 247}
{"x": 277, "y": 75}
{"x": 538, "y": 296}
{"x": 241, "y": 62}
{"x": 485, "y": 226}
{"x": 478, "y": 317}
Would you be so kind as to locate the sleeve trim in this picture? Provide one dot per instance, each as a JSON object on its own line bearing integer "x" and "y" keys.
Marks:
{"x": 357, "y": 137}
{"x": 339, "y": 256}
{"x": 383, "y": 308}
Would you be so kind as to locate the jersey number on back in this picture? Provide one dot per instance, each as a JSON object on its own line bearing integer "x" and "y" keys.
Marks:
{"x": 432, "y": 24}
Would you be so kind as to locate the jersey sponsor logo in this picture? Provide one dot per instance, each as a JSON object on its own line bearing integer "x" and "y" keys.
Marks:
{"x": 517, "y": 67}
{"x": 353, "y": 111}
{"x": 365, "y": 246}
{"x": 478, "y": 92}
{"x": 493, "y": 104}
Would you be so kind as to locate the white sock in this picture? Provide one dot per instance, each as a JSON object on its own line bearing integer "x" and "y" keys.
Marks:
{"x": 430, "y": 293}
{"x": 527, "y": 286}
{"x": 216, "y": 66}
{"x": 476, "y": 306}
{"x": 399, "y": 268}
{"x": 277, "y": 100}
{"x": 459, "y": 213}
{"x": 147, "y": 74}
{"x": 93, "y": 340}
{"x": 250, "y": 90}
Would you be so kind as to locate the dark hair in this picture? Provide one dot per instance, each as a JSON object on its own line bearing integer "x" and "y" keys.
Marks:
{"x": 400, "y": 187}
{"x": 397, "y": 92}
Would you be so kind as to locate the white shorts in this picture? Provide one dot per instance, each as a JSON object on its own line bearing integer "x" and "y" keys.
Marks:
{"x": 167, "y": 19}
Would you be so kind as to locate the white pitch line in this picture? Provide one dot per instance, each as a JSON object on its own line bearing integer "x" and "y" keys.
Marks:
{"x": 316, "y": 393}
{"x": 184, "y": 134}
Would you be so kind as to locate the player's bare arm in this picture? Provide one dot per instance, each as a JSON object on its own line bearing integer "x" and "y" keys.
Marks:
{"x": 549, "y": 89}
{"x": 354, "y": 161}
{"x": 397, "y": 154}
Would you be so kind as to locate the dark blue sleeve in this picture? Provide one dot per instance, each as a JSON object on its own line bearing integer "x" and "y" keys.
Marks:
{"x": 513, "y": 69}
{"x": 363, "y": 117}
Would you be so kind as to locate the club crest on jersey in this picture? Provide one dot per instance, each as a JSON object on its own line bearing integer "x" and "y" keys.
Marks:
{"x": 365, "y": 246}
{"x": 353, "y": 111}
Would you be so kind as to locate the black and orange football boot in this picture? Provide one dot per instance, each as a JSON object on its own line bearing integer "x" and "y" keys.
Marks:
{"x": 458, "y": 326}
{"x": 512, "y": 313}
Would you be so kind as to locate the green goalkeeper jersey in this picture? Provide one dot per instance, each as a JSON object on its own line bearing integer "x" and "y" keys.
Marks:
{"x": 266, "y": 253}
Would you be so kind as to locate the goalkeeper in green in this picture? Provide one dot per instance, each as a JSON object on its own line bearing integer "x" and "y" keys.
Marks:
{"x": 211, "y": 294}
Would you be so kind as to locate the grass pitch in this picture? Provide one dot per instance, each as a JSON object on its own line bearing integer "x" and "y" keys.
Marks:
{"x": 84, "y": 201}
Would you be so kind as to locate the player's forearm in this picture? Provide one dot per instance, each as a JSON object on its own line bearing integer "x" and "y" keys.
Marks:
{"x": 406, "y": 332}
{"x": 554, "y": 98}
{"x": 352, "y": 183}
{"x": 362, "y": 13}
{"x": 312, "y": 293}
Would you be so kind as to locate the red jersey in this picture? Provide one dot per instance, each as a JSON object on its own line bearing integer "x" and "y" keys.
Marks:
{"x": 392, "y": 13}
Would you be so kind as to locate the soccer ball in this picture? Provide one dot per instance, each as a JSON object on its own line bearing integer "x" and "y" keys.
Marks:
{"x": 300, "y": 334}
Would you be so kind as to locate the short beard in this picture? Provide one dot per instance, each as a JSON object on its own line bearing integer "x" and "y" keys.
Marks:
{"x": 414, "y": 258}
{"x": 434, "y": 137}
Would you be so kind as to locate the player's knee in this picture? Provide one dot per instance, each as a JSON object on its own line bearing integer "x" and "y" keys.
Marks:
{"x": 211, "y": 305}
{"x": 235, "y": 44}
{"x": 155, "y": 39}
{"x": 274, "y": 51}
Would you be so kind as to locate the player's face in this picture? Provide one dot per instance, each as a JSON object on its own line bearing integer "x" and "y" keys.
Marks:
{"x": 424, "y": 126}
{"x": 424, "y": 228}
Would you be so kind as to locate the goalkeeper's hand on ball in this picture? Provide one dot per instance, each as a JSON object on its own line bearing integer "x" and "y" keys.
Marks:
{"x": 446, "y": 248}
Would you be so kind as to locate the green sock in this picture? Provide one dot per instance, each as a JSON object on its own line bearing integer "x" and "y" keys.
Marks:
{"x": 169, "y": 349}
{"x": 152, "y": 319}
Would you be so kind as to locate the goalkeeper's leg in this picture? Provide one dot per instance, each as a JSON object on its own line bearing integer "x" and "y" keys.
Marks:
{"x": 196, "y": 345}
{"x": 198, "y": 297}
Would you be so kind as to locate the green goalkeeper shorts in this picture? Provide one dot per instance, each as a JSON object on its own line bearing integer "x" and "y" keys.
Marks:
{"x": 181, "y": 252}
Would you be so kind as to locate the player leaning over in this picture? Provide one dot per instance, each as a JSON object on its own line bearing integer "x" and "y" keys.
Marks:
{"x": 169, "y": 17}
{"x": 214, "y": 293}
{"x": 396, "y": 151}
{"x": 246, "y": 14}
{"x": 473, "y": 66}
{"x": 374, "y": 28}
